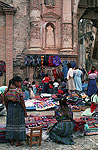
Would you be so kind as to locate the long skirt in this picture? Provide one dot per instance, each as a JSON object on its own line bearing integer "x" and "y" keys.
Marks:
{"x": 92, "y": 87}
{"x": 62, "y": 132}
{"x": 70, "y": 84}
{"x": 15, "y": 123}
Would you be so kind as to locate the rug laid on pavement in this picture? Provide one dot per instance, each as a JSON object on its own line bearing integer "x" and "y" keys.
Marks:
{"x": 41, "y": 103}
{"x": 91, "y": 127}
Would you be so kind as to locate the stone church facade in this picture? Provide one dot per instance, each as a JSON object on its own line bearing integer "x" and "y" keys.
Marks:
{"x": 38, "y": 27}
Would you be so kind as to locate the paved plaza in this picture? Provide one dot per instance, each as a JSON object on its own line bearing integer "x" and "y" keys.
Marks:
{"x": 81, "y": 143}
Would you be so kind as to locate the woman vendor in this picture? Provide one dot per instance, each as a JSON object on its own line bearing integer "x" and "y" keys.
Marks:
{"x": 16, "y": 111}
{"x": 92, "y": 85}
{"x": 94, "y": 106}
{"x": 61, "y": 131}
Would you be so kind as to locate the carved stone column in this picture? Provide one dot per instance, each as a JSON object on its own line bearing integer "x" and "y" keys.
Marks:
{"x": 67, "y": 25}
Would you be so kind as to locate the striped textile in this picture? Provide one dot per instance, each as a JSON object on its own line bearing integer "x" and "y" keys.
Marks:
{"x": 62, "y": 132}
{"x": 13, "y": 94}
{"x": 15, "y": 127}
{"x": 2, "y": 135}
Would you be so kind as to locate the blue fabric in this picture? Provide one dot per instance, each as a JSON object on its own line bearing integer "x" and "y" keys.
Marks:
{"x": 77, "y": 80}
{"x": 92, "y": 87}
{"x": 65, "y": 68}
{"x": 55, "y": 90}
{"x": 15, "y": 127}
{"x": 34, "y": 91}
{"x": 84, "y": 86}
{"x": 27, "y": 95}
{"x": 46, "y": 87}
{"x": 73, "y": 63}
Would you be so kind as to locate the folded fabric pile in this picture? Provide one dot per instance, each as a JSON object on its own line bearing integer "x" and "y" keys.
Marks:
{"x": 77, "y": 100}
{"x": 43, "y": 121}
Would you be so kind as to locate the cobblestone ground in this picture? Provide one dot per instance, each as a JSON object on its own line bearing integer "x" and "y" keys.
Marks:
{"x": 81, "y": 143}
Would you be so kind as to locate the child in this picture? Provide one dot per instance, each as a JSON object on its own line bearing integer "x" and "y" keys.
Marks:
{"x": 63, "y": 85}
{"x": 34, "y": 87}
{"x": 46, "y": 83}
{"x": 50, "y": 87}
{"x": 56, "y": 85}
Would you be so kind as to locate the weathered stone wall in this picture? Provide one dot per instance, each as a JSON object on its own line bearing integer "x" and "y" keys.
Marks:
{"x": 30, "y": 25}
{"x": 21, "y": 26}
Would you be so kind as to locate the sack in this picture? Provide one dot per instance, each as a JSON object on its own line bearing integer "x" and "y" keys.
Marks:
{"x": 45, "y": 135}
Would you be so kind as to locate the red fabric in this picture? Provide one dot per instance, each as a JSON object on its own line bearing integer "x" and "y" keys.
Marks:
{"x": 60, "y": 91}
{"x": 79, "y": 125}
{"x": 46, "y": 80}
{"x": 93, "y": 107}
{"x": 94, "y": 72}
{"x": 50, "y": 61}
{"x": 39, "y": 89}
{"x": 37, "y": 96}
{"x": 50, "y": 86}
{"x": 54, "y": 73}
{"x": 42, "y": 81}
{"x": 37, "y": 85}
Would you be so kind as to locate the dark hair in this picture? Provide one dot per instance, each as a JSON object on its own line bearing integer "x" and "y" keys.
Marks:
{"x": 92, "y": 70}
{"x": 46, "y": 75}
{"x": 13, "y": 80}
{"x": 33, "y": 82}
{"x": 97, "y": 90}
{"x": 63, "y": 101}
{"x": 76, "y": 67}
{"x": 26, "y": 79}
{"x": 55, "y": 80}
{"x": 69, "y": 65}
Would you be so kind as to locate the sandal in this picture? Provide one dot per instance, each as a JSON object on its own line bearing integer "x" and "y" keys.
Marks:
{"x": 19, "y": 144}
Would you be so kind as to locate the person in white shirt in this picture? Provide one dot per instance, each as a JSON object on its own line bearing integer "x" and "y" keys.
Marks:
{"x": 56, "y": 85}
{"x": 70, "y": 80}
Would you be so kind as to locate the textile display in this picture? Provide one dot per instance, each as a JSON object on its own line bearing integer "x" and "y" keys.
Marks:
{"x": 41, "y": 103}
{"x": 37, "y": 60}
{"x": 91, "y": 127}
{"x": 2, "y": 134}
{"x": 76, "y": 100}
{"x": 43, "y": 121}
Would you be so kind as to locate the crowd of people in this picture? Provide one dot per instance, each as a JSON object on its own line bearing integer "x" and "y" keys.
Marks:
{"x": 60, "y": 131}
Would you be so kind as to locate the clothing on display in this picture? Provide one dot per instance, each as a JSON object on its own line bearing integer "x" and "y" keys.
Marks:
{"x": 41, "y": 63}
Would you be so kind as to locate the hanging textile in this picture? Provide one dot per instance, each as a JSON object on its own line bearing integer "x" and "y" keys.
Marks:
{"x": 2, "y": 66}
{"x": 54, "y": 73}
{"x": 46, "y": 60}
{"x": 50, "y": 61}
{"x": 56, "y": 61}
